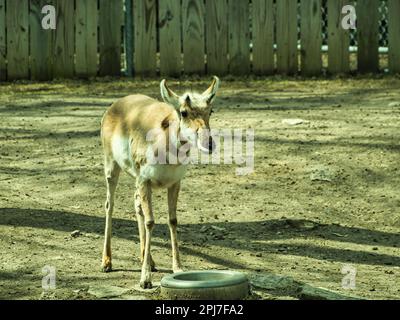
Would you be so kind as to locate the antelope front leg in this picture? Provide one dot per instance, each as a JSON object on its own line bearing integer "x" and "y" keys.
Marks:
{"x": 112, "y": 173}
{"x": 173, "y": 193}
{"x": 142, "y": 230}
{"x": 144, "y": 191}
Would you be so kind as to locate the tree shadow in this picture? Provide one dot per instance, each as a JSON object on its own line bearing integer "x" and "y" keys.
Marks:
{"x": 50, "y": 105}
{"x": 15, "y": 134}
{"x": 337, "y": 142}
{"x": 250, "y": 236}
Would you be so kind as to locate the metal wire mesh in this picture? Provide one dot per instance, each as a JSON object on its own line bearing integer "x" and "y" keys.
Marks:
{"x": 383, "y": 24}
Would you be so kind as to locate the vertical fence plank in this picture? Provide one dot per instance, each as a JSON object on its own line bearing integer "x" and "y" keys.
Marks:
{"x": 286, "y": 36}
{"x": 263, "y": 36}
{"x": 368, "y": 35}
{"x": 41, "y": 43}
{"x": 170, "y": 37}
{"x": 128, "y": 38}
{"x": 338, "y": 38}
{"x": 394, "y": 35}
{"x": 3, "y": 66}
{"x": 66, "y": 51}
{"x": 17, "y": 39}
{"x": 110, "y": 37}
{"x": 239, "y": 37}
{"x": 86, "y": 21}
{"x": 311, "y": 37}
{"x": 64, "y": 40}
{"x": 145, "y": 39}
{"x": 217, "y": 36}
{"x": 193, "y": 36}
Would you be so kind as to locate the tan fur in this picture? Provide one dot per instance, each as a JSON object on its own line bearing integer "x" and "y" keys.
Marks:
{"x": 132, "y": 117}
{"x": 124, "y": 130}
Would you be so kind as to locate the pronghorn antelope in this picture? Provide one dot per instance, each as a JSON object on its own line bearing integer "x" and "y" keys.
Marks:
{"x": 124, "y": 133}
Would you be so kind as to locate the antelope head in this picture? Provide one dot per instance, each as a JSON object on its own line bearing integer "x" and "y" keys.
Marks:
{"x": 194, "y": 111}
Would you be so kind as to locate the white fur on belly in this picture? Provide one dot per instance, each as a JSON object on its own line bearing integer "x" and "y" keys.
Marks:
{"x": 122, "y": 154}
{"x": 162, "y": 175}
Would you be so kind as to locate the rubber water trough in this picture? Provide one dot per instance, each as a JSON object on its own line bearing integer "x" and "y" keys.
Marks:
{"x": 205, "y": 285}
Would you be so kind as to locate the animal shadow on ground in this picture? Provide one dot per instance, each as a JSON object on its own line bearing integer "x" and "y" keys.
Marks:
{"x": 235, "y": 235}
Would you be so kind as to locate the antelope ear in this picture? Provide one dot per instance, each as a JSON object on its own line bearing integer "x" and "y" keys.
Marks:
{"x": 210, "y": 93}
{"x": 168, "y": 95}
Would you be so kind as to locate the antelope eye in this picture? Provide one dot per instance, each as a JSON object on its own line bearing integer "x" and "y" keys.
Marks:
{"x": 184, "y": 114}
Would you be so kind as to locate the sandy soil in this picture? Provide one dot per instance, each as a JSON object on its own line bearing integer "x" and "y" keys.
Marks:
{"x": 276, "y": 220}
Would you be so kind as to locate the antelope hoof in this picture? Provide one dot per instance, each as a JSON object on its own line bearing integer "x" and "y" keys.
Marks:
{"x": 176, "y": 270}
{"x": 146, "y": 284}
{"x": 106, "y": 266}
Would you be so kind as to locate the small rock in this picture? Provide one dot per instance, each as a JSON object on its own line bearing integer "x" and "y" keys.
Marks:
{"x": 272, "y": 282}
{"x": 339, "y": 235}
{"x": 294, "y": 122}
{"x": 394, "y": 104}
{"x": 258, "y": 254}
{"x": 75, "y": 233}
{"x": 78, "y": 291}
{"x": 321, "y": 173}
{"x": 302, "y": 224}
{"x": 313, "y": 293}
{"x": 218, "y": 228}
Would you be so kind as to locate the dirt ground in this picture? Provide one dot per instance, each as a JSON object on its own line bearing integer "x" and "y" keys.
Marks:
{"x": 277, "y": 220}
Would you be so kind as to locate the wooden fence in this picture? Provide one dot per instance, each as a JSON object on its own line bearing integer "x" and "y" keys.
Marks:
{"x": 171, "y": 37}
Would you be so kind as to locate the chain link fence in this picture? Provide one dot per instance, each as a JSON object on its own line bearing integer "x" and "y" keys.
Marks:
{"x": 383, "y": 26}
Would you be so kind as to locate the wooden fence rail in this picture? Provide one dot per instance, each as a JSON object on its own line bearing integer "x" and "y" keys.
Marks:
{"x": 175, "y": 37}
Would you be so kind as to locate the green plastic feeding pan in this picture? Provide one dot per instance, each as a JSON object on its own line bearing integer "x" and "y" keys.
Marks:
{"x": 205, "y": 285}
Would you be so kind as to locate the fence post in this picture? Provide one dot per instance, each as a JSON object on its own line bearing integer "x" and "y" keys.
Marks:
{"x": 17, "y": 18}
{"x": 128, "y": 36}
{"x": 263, "y": 36}
{"x": 86, "y": 22}
{"x": 193, "y": 36}
{"x": 145, "y": 40}
{"x": 286, "y": 36}
{"x": 394, "y": 35}
{"x": 3, "y": 70}
{"x": 338, "y": 38}
{"x": 368, "y": 36}
{"x": 170, "y": 37}
{"x": 41, "y": 43}
{"x": 239, "y": 37}
{"x": 64, "y": 40}
{"x": 110, "y": 16}
{"x": 217, "y": 36}
{"x": 311, "y": 37}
